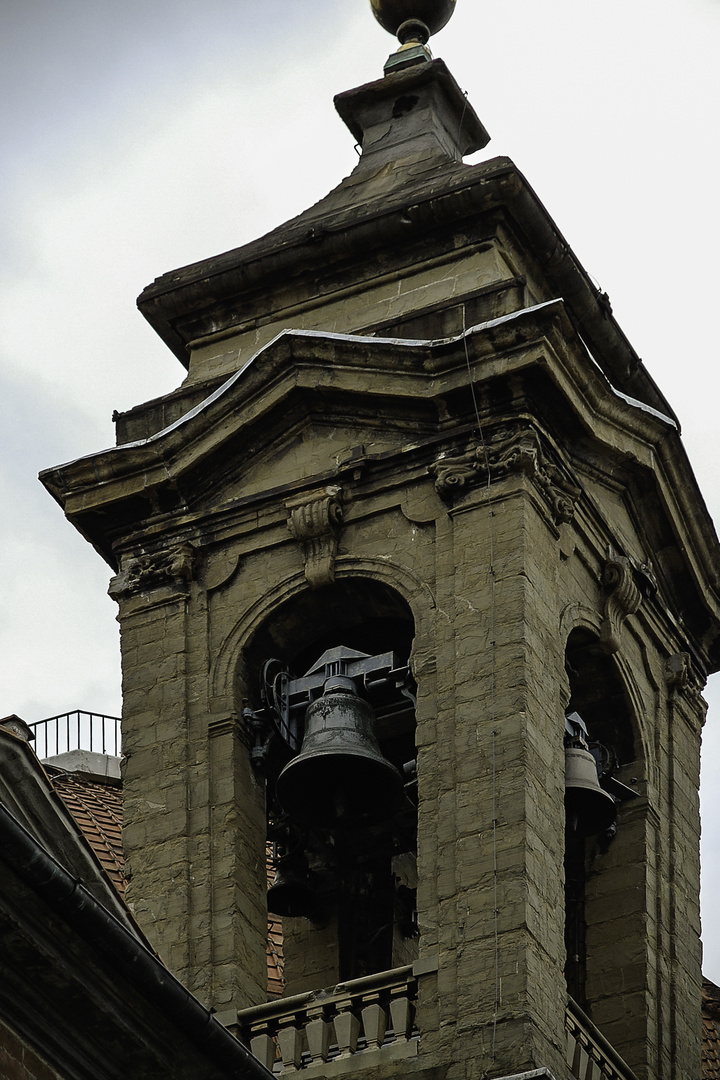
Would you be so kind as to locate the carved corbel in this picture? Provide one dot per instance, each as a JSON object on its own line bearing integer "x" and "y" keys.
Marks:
{"x": 624, "y": 598}
{"x": 560, "y": 492}
{"x": 680, "y": 676}
{"x": 315, "y": 522}
{"x": 140, "y": 573}
{"x": 677, "y": 670}
{"x": 513, "y": 450}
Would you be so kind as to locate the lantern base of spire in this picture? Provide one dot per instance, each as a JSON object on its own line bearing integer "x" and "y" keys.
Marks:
{"x": 407, "y": 56}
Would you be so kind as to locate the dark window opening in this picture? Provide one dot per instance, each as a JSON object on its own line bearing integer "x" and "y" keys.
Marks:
{"x": 599, "y": 698}
{"x": 347, "y": 889}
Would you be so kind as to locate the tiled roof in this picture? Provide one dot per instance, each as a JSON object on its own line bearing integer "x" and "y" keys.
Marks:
{"x": 711, "y": 1031}
{"x": 97, "y": 808}
{"x": 276, "y": 982}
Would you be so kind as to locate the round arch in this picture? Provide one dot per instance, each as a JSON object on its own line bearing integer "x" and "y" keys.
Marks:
{"x": 362, "y": 584}
{"x": 603, "y": 686}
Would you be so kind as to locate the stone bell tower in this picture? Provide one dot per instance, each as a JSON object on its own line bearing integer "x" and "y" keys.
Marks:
{"x": 416, "y": 528}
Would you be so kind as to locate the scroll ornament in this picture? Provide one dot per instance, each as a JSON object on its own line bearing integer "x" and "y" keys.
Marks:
{"x": 626, "y": 581}
{"x": 316, "y": 523}
{"x": 508, "y": 450}
{"x": 140, "y": 573}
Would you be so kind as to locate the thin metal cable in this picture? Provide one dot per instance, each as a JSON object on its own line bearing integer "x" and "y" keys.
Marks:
{"x": 496, "y": 934}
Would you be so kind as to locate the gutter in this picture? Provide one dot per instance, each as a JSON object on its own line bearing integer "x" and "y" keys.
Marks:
{"x": 94, "y": 923}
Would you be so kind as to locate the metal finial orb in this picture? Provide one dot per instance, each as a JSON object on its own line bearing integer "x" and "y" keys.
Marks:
{"x": 391, "y": 14}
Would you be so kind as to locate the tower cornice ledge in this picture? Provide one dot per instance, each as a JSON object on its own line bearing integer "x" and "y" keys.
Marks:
{"x": 419, "y": 389}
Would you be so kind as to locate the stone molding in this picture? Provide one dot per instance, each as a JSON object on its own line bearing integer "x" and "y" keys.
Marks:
{"x": 227, "y": 725}
{"x": 511, "y": 448}
{"x": 315, "y": 521}
{"x": 140, "y": 573}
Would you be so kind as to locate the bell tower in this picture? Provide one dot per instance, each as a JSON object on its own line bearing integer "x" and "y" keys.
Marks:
{"x": 417, "y": 597}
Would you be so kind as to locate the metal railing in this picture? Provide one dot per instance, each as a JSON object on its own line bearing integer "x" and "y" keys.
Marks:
{"x": 78, "y": 730}
{"x": 322, "y": 1026}
{"x": 589, "y": 1055}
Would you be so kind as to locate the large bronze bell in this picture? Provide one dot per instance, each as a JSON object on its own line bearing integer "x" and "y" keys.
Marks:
{"x": 589, "y": 809}
{"x": 340, "y": 777}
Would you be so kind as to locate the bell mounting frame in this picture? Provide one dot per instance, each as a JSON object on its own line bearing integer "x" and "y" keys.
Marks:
{"x": 382, "y": 679}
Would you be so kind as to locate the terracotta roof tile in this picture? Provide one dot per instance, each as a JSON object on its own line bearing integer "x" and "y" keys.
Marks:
{"x": 711, "y": 1031}
{"x": 97, "y": 808}
{"x": 276, "y": 980}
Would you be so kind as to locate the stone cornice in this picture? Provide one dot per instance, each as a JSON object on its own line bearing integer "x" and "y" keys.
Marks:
{"x": 412, "y": 372}
{"x": 125, "y": 489}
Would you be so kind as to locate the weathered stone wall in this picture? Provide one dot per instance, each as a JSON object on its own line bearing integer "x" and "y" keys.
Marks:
{"x": 194, "y": 812}
{"x": 509, "y": 490}
{"x": 497, "y": 574}
{"x": 643, "y": 958}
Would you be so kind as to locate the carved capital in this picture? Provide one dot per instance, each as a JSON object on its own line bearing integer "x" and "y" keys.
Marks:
{"x": 623, "y": 599}
{"x": 143, "y": 572}
{"x": 453, "y": 474}
{"x": 315, "y": 521}
{"x": 510, "y": 448}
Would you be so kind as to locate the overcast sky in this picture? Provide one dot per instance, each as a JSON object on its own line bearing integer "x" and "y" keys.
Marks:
{"x": 140, "y": 135}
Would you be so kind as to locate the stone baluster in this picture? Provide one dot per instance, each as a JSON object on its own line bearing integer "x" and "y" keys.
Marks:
{"x": 290, "y": 1042}
{"x": 402, "y": 1013}
{"x": 581, "y": 1065}
{"x": 317, "y": 1033}
{"x": 374, "y": 1018}
{"x": 347, "y": 1028}
{"x": 324, "y": 1025}
{"x": 263, "y": 1046}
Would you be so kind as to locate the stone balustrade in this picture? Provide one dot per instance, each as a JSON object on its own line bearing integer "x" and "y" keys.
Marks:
{"x": 589, "y": 1054}
{"x": 375, "y": 1013}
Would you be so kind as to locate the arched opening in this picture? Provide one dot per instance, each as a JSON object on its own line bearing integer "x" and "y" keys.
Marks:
{"x": 600, "y": 701}
{"x": 345, "y": 886}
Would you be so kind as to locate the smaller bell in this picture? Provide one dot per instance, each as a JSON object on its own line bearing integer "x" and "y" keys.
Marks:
{"x": 589, "y": 809}
{"x": 291, "y": 894}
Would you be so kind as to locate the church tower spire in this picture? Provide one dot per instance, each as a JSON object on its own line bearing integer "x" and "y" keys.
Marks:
{"x": 418, "y": 504}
